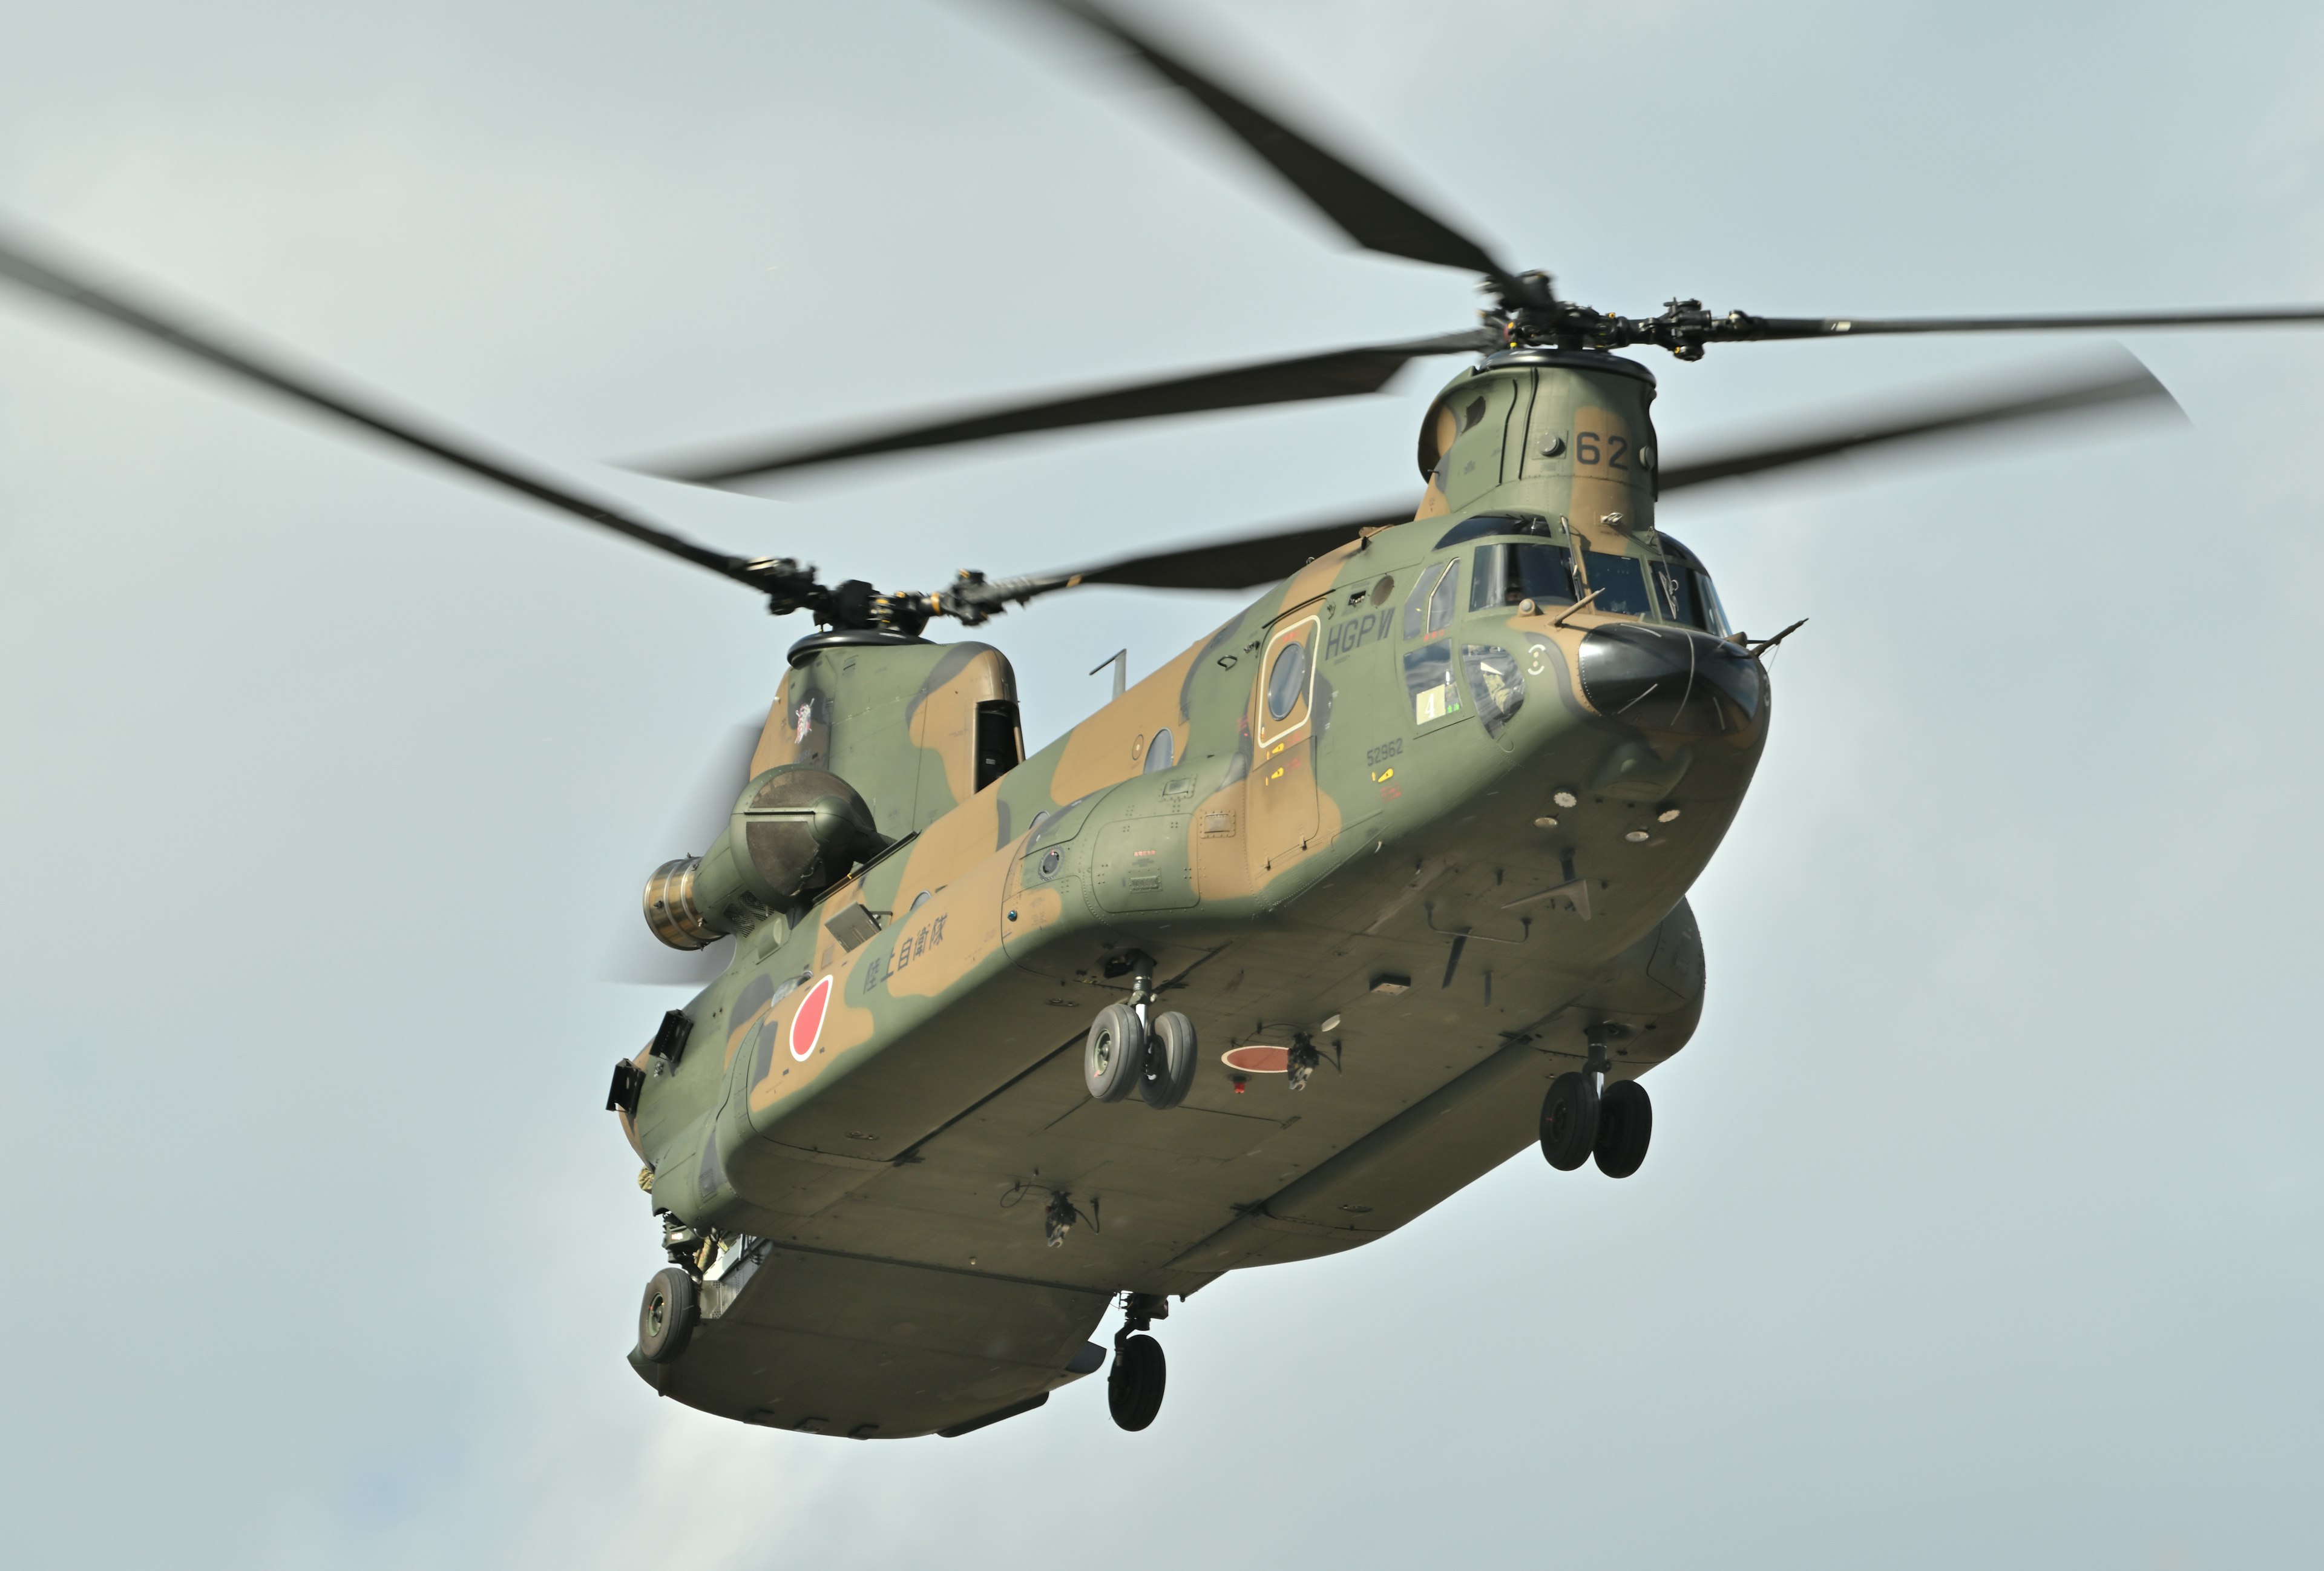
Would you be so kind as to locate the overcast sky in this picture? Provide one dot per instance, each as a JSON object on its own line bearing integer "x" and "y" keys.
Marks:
{"x": 1981, "y": 1221}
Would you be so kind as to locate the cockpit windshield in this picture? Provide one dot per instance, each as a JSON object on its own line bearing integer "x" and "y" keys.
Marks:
{"x": 1503, "y": 574}
{"x": 1620, "y": 582}
{"x": 1672, "y": 586}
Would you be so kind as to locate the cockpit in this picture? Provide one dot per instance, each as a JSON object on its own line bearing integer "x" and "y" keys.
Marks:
{"x": 1503, "y": 571}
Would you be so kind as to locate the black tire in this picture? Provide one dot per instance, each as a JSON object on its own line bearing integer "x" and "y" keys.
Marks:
{"x": 1569, "y": 1121}
{"x": 1170, "y": 1062}
{"x": 1625, "y": 1122}
{"x": 1133, "y": 1391}
{"x": 666, "y": 1320}
{"x": 1113, "y": 1054}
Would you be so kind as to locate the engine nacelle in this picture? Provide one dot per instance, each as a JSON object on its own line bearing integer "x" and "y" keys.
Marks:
{"x": 795, "y": 832}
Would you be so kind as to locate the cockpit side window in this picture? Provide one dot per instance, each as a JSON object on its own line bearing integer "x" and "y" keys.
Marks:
{"x": 1675, "y": 581}
{"x": 1441, "y": 605}
{"x": 1428, "y": 674}
{"x": 1707, "y": 596}
{"x": 1686, "y": 590}
{"x": 1416, "y": 605}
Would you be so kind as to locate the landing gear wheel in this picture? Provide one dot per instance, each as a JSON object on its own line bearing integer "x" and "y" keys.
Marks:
{"x": 666, "y": 1320}
{"x": 1113, "y": 1059}
{"x": 1625, "y": 1122}
{"x": 1133, "y": 1391}
{"x": 1170, "y": 1062}
{"x": 1569, "y": 1121}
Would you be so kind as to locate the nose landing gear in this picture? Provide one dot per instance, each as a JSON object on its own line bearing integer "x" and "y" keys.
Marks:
{"x": 1134, "y": 1390}
{"x": 1579, "y": 1119}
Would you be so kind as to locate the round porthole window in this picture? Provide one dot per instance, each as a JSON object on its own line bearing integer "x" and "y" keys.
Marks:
{"x": 1287, "y": 683}
{"x": 1049, "y": 860}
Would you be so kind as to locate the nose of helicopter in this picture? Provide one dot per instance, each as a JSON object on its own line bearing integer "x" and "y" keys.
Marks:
{"x": 1672, "y": 679}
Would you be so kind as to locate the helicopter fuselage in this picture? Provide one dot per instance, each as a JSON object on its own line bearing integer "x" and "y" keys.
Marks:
{"x": 1414, "y": 830}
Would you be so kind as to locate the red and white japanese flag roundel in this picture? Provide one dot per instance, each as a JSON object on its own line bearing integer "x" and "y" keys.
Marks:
{"x": 806, "y": 1025}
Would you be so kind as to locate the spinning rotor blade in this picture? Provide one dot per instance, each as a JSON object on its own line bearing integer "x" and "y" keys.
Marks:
{"x": 1334, "y": 373}
{"x": 178, "y": 332}
{"x": 1767, "y": 328}
{"x": 2127, "y": 384}
{"x": 1374, "y": 216}
{"x": 1252, "y": 560}
{"x": 1240, "y": 564}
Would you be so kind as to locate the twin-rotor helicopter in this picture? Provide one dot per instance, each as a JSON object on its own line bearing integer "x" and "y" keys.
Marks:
{"x": 1001, "y": 1040}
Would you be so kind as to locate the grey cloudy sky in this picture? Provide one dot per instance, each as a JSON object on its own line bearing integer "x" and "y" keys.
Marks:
{"x": 1981, "y": 1220}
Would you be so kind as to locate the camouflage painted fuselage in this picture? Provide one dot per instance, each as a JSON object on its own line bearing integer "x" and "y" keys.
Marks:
{"x": 1285, "y": 857}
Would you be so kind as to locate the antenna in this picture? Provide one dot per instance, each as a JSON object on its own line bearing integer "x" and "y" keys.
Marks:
{"x": 1120, "y": 660}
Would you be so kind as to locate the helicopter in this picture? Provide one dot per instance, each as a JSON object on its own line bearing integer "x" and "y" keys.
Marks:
{"x": 911, "y": 1218}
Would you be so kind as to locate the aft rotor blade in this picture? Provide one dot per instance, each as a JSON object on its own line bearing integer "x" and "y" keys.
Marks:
{"x": 1333, "y": 373}
{"x": 2125, "y": 385}
{"x": 177, "y": 330}
{"x": 1366, "y": 211}
{"x": 1760, "y": 328}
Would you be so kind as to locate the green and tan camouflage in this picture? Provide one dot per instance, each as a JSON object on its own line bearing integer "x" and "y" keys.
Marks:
{"x": 1439, "y": 829}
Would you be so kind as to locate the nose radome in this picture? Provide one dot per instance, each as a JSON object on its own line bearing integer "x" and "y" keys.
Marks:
{"x": 1671, "y": 680}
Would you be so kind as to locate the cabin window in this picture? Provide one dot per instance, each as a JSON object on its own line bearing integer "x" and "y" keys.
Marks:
{"x": 1159, "y": 752}
{"x": 1620, "y": 582}
{"x": 1287, "y": 683}
{"x": 1503, "y": 574}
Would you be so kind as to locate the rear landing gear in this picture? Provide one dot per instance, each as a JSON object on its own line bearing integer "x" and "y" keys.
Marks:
{"x": 1134, "y": 1390}
{"x": 1113, "y": 1056}
{"x": 1580, "y": 1121}
{"x": 1569, "y": 1121}
{"x": 1625, "y": 1122}
{"x": 1169, "y": 1061}
{"x": 666, "y": 1320}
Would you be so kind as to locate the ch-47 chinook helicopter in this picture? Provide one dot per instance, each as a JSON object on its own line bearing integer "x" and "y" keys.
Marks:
{"x": 1001, "y": 1038}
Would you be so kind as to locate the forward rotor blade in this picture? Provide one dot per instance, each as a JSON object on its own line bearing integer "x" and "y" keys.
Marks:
{"x": 2074, "y": 322}
{"x": 1334, "y": 373}
{"x": 2125, "y": 384}
{"x": 1248, "y": 561}
{"x": 1242, "y": 563}
{"x": 1368, "y": 212}
{"x": 1238, "y": 563}
{"x": 176, "y": 330}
